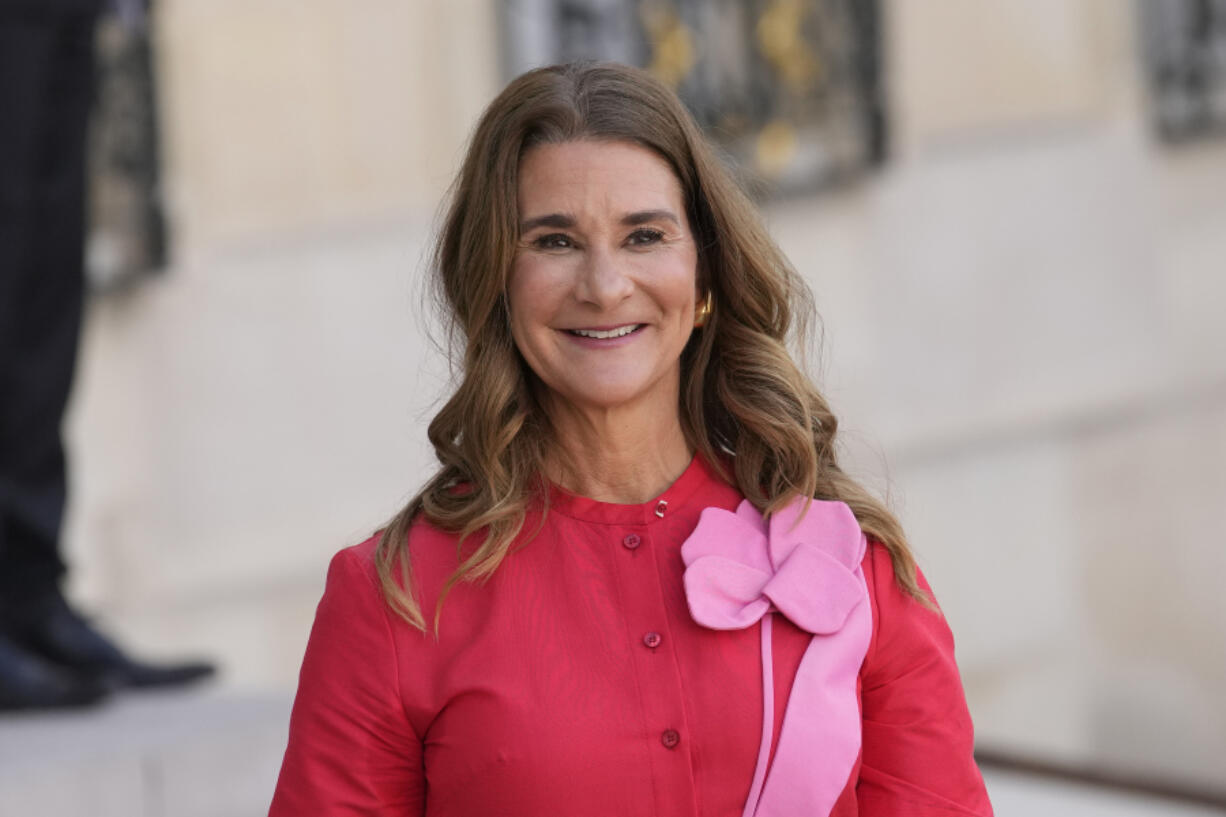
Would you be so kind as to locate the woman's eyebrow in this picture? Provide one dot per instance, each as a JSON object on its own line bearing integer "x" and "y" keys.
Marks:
{"x": 564, "y": 221}
{"x": 559, "y": 220}
{"x": 645, "y": 216}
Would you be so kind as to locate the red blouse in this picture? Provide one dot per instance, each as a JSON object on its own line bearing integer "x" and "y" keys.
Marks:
{"x": 575, "y": 682}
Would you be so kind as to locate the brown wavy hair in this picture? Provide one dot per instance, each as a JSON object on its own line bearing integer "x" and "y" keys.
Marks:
{"x": 744, "y": 401}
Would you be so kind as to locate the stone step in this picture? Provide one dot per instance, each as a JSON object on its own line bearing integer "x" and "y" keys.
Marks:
{"x": 216, "y": 753}
{"x": 200, "y": 753}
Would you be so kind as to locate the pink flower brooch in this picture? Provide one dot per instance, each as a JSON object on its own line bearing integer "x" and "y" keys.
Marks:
{"x": 805, "y": 564}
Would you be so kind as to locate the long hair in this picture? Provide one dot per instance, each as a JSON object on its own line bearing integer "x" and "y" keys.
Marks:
{"x": 743, "y": 399}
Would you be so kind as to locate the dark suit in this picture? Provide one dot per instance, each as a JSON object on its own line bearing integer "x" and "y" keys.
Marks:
{"x": 46, "y": 79}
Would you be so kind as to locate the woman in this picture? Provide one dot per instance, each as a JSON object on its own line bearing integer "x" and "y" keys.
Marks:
{"x": 639, "y": 583}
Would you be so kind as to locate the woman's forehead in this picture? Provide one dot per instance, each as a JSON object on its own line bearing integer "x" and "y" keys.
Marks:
{"x": 595, "y": 175}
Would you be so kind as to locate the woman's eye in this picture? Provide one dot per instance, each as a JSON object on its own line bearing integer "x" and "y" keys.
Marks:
{"x": 553, "y": 241}
{"x": 643, "y": 237}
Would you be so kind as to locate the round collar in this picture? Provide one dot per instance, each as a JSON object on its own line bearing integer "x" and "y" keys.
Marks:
{"x": 697, "y": 475}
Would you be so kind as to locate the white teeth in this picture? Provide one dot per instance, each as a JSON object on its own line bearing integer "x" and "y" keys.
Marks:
{"x": 606, "y": 333}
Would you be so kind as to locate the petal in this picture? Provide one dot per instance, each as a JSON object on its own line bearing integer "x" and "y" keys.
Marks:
{"x": 727, "y": 534}
{"x": 749, "y": 513}
{"x": 724, "y": 594}
{"x": 814, "y": 591}
{"x": 831, "y": 526}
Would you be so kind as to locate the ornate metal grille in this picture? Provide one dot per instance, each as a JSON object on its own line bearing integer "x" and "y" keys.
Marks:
{"x": 791, "y": 88}
{"x": 1185, "y": 54}
{"x": 127, "y": 231}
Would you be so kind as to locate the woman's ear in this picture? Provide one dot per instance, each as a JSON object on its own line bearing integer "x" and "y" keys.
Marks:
{"x": 703, "y": 308}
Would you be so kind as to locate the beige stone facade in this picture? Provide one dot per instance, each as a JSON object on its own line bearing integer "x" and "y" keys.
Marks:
{"x": 1023, "y": 334}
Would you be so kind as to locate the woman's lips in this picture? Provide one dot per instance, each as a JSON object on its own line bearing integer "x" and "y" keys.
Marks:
{"x": 606, "y": 333}
{"x": 605, "y": 336}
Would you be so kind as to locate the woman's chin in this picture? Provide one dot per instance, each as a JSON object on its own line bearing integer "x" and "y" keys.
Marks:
{"x": 613, "y": 396}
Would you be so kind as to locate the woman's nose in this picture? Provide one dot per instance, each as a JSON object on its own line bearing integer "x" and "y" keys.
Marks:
{"x": 603, "y": 281}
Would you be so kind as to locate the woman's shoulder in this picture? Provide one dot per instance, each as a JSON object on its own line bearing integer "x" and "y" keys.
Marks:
{"x": 883, "y": 586}
{"x": 903, "y": 626}
{"x": 424, "y": 538}
{"x": 433, "y": 556}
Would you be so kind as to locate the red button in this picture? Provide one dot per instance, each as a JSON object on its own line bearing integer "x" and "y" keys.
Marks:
{"x": 632, "y": 541}
{"x": 670, "y": 738}
{"x": 652, "y": 640}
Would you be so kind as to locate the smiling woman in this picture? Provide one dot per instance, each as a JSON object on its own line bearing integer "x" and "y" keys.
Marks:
{"x": 602, "y": 294}
{"x": 652, "y": 589}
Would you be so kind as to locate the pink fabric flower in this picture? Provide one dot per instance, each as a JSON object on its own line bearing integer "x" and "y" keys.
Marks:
{"x": 804, "y": 564}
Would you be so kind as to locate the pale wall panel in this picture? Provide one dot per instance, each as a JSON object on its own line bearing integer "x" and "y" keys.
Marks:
{"x": 285, "y": 116}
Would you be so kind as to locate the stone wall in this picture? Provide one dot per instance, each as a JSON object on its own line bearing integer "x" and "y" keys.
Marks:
{"x": 1023, "y": 334}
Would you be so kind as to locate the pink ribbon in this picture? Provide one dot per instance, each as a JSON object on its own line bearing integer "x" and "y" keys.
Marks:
{"x": 804, "y": 564}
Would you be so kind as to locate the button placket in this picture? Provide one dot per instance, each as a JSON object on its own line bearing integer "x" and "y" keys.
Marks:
{"x": 639, "y": 564}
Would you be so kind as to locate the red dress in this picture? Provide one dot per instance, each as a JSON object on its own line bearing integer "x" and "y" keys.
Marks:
{"x": 575, "y": 682}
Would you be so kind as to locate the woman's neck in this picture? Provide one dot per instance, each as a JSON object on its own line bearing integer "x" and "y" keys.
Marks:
{"x": 616, "y": 456}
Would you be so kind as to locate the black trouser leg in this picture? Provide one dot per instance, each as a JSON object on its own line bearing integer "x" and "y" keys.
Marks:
{"x": 46, "y": 78}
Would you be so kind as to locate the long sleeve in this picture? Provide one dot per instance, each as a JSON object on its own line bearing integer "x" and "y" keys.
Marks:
{"x": 352, "y": 750}
{"x": 917, "y": 739}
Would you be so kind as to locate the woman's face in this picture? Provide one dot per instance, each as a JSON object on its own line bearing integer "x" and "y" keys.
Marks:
{"x": 603, "y": 287}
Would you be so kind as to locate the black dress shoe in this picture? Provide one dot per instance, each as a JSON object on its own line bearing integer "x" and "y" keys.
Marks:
{"x": 28, "y": 682}
{"x": 55, "y": 632}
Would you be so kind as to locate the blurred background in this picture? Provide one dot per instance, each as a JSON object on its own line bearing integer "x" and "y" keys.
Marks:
{"x": 1012, "y": 213}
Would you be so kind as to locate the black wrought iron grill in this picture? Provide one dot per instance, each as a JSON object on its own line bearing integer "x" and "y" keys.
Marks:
{"x": 1185, "y": 56}
{"x": 791, "y": 88}
{"x": 127, "y": 225}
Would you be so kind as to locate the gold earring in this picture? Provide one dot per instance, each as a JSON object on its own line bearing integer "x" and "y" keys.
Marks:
{"x": 704, "y": 311}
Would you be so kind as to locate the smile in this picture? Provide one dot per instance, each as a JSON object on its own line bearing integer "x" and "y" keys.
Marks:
{"x": 604, "y": 334}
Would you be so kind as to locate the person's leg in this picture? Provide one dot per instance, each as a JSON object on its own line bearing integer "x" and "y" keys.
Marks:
{"x": 37, "y": 340}
{"x": 48, "y": 75}
{"x": 41, "y": 353}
